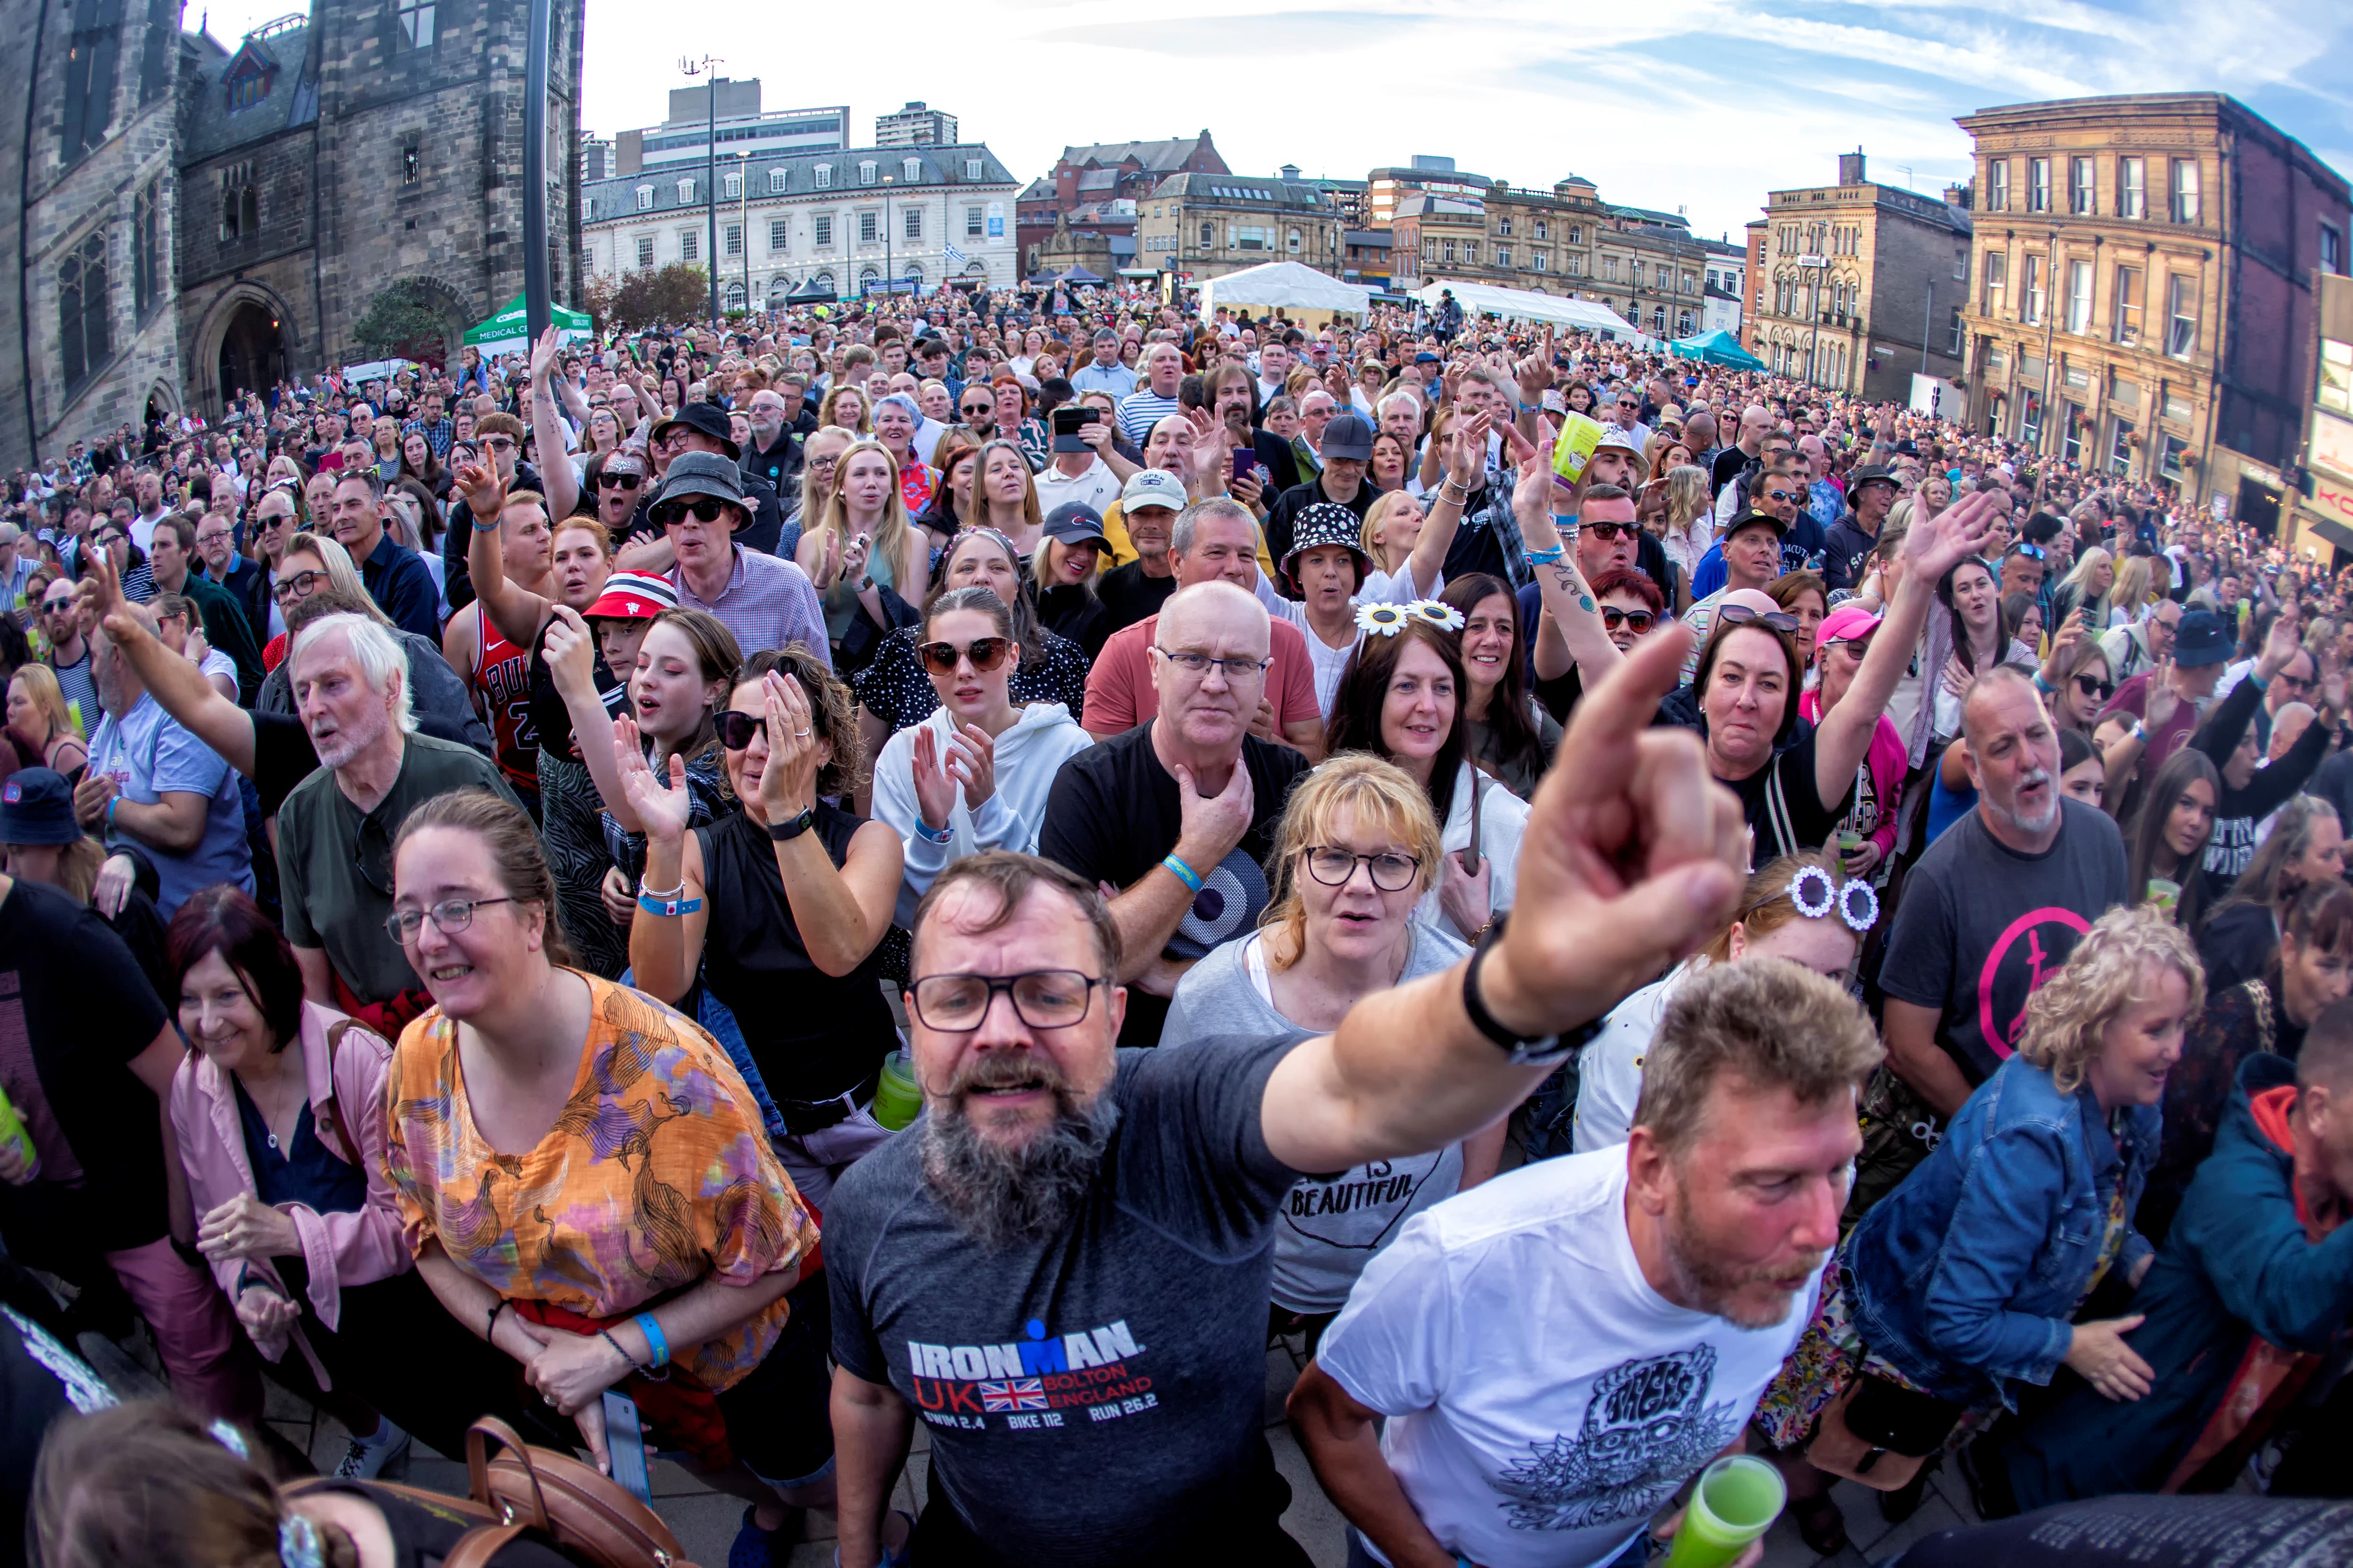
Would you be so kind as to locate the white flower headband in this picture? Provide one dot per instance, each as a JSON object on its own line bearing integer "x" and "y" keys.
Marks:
{"x": 1388, "y": 620}
{"x": 1814, "y": 895}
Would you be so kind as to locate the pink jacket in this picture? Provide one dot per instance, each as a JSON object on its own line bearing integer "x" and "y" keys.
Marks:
{"x": 356, "y": 1249}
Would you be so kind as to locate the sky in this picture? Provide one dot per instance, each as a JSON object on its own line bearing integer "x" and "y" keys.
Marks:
{"x": 1701, "y": 105}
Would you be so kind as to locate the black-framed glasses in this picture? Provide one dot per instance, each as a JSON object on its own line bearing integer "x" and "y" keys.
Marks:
{"x": 973, "y": 410}
{"x": 624, "y": 481}
{"x": 1199, "y": 664}
{"x": 2092, "y": 686}
{"x": 1639, "y": 622}
{"x": 449, "y": 917}
{"x": 1042, "y": 998}
{"x": 1334, "y": 867}
{"x": 1610, "y": 532}
{"x": 300, "y": 586}
{"x": 704, "y": 508}
{"x": 1741, "y": 616}
{"x": 985, "y": 653}
{"x": 109, "y": 539}
{"x": 735, "y": 729}
{"x": 499, "y": 442}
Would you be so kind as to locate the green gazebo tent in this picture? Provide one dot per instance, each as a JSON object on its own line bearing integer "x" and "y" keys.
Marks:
{"x": 1718, "y": 347}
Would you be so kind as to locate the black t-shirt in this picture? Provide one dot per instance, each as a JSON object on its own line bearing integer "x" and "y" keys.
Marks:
{"x": 1131, "y": 596}
{"x": 1804, "y": 814}
{"x": 1728, "y": 464}
{"x": 74, "y": 1011}
{"x": 1114, "y": 813}
{"x": 1126, "y": 1350}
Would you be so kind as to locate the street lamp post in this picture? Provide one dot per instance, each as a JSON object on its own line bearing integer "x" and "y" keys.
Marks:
{"x": 890, "y": 272}
{"x": 743, "y": 217}
{"x": 703, "y": 69}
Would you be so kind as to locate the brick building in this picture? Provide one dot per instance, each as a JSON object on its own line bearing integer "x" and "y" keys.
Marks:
{"x": 1861, "y": 286}
{"x": 1210, "y": 225}
{"x": 2142, "y": 296}
{"x": 1097, "y": 187}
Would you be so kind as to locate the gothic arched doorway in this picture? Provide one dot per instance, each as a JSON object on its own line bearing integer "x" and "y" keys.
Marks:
{"x": 252, "y": 351}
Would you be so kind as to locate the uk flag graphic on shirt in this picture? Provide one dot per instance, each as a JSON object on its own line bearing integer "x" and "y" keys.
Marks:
{"x": 1016, "y": 1394}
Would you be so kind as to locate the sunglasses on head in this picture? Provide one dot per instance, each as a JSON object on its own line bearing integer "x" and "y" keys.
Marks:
{"x": 1636, "y": 621}
{"x": 985, "y": 653}
{"x": 626, "y": 481}
{"x": 1610, "y": 533}
{"x": 705, "y": 508}
{"x": 1741, "y": 616}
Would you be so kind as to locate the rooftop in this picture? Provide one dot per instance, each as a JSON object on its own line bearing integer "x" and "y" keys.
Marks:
{"x": 615, "y": 199}
{"x": 276, "y": 58}
{"x": 1153, "y": 155}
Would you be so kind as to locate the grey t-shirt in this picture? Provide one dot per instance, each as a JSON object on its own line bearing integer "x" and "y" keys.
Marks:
{"x": 1981, "y": 927}
{"x": 1331, "y": 1225}
{"x": 1096, "y": 1398}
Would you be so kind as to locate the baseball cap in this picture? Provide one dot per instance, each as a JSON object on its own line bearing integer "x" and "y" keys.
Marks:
{"x": 1154, "y": 486}
{"x": 1753, "y": 518}
{"x": 1074, "y": 521}
{"x": 634, "y": 597}
{"x": 36, "y": 807}
{"x": 1847, "y": 624}
{"x": 1348, "y": 437}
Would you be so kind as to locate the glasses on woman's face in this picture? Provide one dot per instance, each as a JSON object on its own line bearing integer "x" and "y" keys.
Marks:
{"x": 1042, "y": 998}
{"x": 1639, "y": 622}
{"x": 735, "y": 730}
{"x": 985, "y": 653}
{"x": 1741, "y": 616}
{"x": 1333, "y": 866}
{"x": 2092, "y": 686}
{"x": 449, "y": 917}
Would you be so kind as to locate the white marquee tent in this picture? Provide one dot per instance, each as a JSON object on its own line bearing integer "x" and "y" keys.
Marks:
{"x": 1527, "y": 305}
{"x": 1285, "y": 286}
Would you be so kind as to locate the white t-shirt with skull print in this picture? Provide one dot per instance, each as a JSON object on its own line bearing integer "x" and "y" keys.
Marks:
{"x": 1544, "y": 1401}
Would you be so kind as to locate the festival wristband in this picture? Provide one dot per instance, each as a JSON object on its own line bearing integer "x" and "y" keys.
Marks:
{"x": 1182, "y": 872}
{"x": 655, "y": 1342}
{"x": 932, "y": 835}
{"x": 491, "y": 1327}
{"x": 667, "y": 907}
{"x": 480, "y": 526}
{"x": 1547, "y": 557}
{"x": 111, "y": 804}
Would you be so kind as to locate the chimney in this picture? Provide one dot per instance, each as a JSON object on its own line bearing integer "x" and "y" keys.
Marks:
{"x": 1851, "y": 168}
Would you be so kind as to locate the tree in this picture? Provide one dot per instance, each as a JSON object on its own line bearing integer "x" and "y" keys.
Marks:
{"x": 405, "y": 321}
{"x": 677, "y": 293}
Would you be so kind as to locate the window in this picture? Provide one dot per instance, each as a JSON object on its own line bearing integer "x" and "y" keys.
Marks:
{"x": 780, "y": 235}
{"x": 645, "y": 198}
{"x": 2332, "y": 248}
{"x": 689, "y": 245}
{"x": 414, "y": 23}
{"x": 822, "y": 230}
{"x": 1997, "y": 280}
{"x": 2169, "y": 460}
{"x": 1666, "y": 279}
{"x": 645, "y": 250}
{"x": 2180, "y": 315}
{"x": 972, "y": 222}
{"x": 2081, "y": 191}
{"x": 685, "y": 192}
{"x": 974, "y": 169}
{"x": 2132, "y": 187}
{"x": 776, "y": 182}
{"x": 1543, "y": 232}
{"x": 2030, "y": 296}
{"x": 83, "y": 311}
{"x": 1538, "y": 261}
{"x": 870, "y": 228}
{"x": 412, "y": 162}
{"x": 1576, "y": 265}
{"x": 2120, "y": 443}
{"x": 1209, "y": 237}
{"x": 1998, "y": 185}
{"x": 147, "y": 249}
{"x": 2128, "y": 305}
{"x": 732, "y": 237}
{"x": 1955, "y": 349}
{"x": 912, "y": 223}
{"x": 866, "y": 172}
{"x": 1450, "y": 253}
{"x": 2030, "y": 416}
{"x": 1609, "y": 269}
{"x": 1251, "y": 237}
{"x": 89, "y": 77}
{"x": 911, "y": 170}
{"x": 1575, "y": 234}
{"x": 2038, "y": 184}
{"x": 1682, "y": 323}
{"x": 2079, "y": 296}
{"x": 825, "y": 176}
{"x": 1470, "y": 253}
{"x": 2071, "y": 432}
{"x": 1503, "y": 255}
{"x": 731, "y": 187}
{"x": 1690, "y": 286}
{"x": 246, "y": 90}
{"x": 2185, "y": 208}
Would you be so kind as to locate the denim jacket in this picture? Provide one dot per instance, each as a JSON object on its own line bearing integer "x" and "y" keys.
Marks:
{"x": 1967, "y": 1277}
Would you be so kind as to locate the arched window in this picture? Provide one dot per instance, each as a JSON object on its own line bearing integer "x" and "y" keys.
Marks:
{"x": 83, "y": 308}
{"x": 736, "y": 295}
{"x": 914, "y": 274}
{"x": 823, "y": 279}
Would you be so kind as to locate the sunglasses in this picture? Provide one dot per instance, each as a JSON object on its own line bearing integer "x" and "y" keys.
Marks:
{"x": 1610, "y": 532}
{"x": 1638, "y": 621}
{"x": 985, "y": 653}
{"x": 735, "y": 730}
{"x": 1741, "y": 616}
{"x": 621, "y": 482}
{"x": 1784, "y": 495}
{"x": 2092, "y": 686}
{"x": 705, "y": 508}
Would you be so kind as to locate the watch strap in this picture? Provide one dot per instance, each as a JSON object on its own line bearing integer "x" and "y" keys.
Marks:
{"x": 1521, "y": 1050}
{"x": 793, "y": 827}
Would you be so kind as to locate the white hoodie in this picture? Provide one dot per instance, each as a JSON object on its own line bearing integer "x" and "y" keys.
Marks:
{"x": 1503, "y": 820}
{"x": 1028, "y": 755}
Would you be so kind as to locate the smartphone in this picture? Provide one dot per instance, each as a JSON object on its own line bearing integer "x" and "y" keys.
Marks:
{"x": 1068, "y": 422}
{"x": 1245, "y": 458}
{"x": 626, "y": 1445}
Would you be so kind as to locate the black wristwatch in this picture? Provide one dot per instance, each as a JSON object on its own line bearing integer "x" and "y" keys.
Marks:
{"x": 793, "y": 828}
{"x": 1521, "y": 1050}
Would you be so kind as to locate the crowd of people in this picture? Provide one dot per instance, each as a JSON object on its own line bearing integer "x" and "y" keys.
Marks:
{"x": 1811, "y": 931}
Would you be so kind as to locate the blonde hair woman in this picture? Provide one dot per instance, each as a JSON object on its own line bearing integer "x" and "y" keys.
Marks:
{"x": 862, "y": 542}
{"x": 1004, "y": 496}
{"x": 40, "y": 726}
{"x": 2086, "y": 585}
{"x": 1690, "y": 522}
{"x": 846, "y": 406}
{"x": 2129, "y": 597}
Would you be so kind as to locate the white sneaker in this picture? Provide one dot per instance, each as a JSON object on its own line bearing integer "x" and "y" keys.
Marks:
{"x": 365, "y": 1461}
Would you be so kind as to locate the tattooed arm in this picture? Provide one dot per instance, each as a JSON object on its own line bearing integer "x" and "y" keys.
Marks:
{"x": 1568, "y": 595}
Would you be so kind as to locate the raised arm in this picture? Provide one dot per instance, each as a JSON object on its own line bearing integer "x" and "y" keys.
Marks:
{"x": 547, "y": 435}
{"x": 1930, "y": 551}
{"x": 516, "y": 611}
{"x": 178, "y": 687}
{"x": 1567, "y": 597}
{"x": 1630, "y": 859}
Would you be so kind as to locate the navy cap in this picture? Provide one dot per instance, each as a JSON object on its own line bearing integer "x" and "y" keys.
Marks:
{"x": 36, "y": 807}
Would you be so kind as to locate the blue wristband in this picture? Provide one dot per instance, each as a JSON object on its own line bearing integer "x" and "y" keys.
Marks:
{"x": 1547, "y": 557}
{"x": 666, "y": 907}
{"x": 944, "y": 835}
{"x": 655, "y": 1342}
{"x": 1181, "y": 871}
{"x": 111, "y": 804}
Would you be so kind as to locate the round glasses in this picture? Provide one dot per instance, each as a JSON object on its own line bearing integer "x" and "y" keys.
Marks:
{"x": 985, "y": 653}
{"x": 1391, "y": 872}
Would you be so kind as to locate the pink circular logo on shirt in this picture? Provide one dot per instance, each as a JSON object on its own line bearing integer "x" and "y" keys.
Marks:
{"x": 2039, "y": 964}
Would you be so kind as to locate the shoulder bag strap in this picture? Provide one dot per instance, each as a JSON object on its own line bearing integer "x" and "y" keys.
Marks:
{"x": 480, "y": 1546}
{"x": 335, "y": 1032}
{"x": 1471, "y": 853}
{"x": 1776, "y": 809}
{"x": 2261, "y": 995}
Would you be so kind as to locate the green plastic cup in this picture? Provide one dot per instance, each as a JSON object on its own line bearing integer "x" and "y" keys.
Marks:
{"x": 897, "y": 1096}
{"x": 2164, "y": 892}
{"x": 1736, "y": 1500}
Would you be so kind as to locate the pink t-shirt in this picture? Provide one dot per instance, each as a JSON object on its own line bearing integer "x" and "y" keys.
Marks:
{"x": 1878, "y": 784}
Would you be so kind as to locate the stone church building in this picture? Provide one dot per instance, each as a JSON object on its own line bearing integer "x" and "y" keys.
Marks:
{"x": 199, "y": 217}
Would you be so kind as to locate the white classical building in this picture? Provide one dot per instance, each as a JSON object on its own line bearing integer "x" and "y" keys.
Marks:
{"x": 846, "y": 220}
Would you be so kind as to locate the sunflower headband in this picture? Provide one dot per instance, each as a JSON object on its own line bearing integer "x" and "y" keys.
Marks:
{"x": 1388, "y": 620}
{"x": 1813, "y": 894}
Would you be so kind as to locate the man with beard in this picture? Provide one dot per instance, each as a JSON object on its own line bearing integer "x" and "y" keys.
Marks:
{"x": 1995, "y": 905}
{"x": 1518, "y": 1438}
{"x": 1066, "y": 1268}
{"x": 336, "y": 829}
